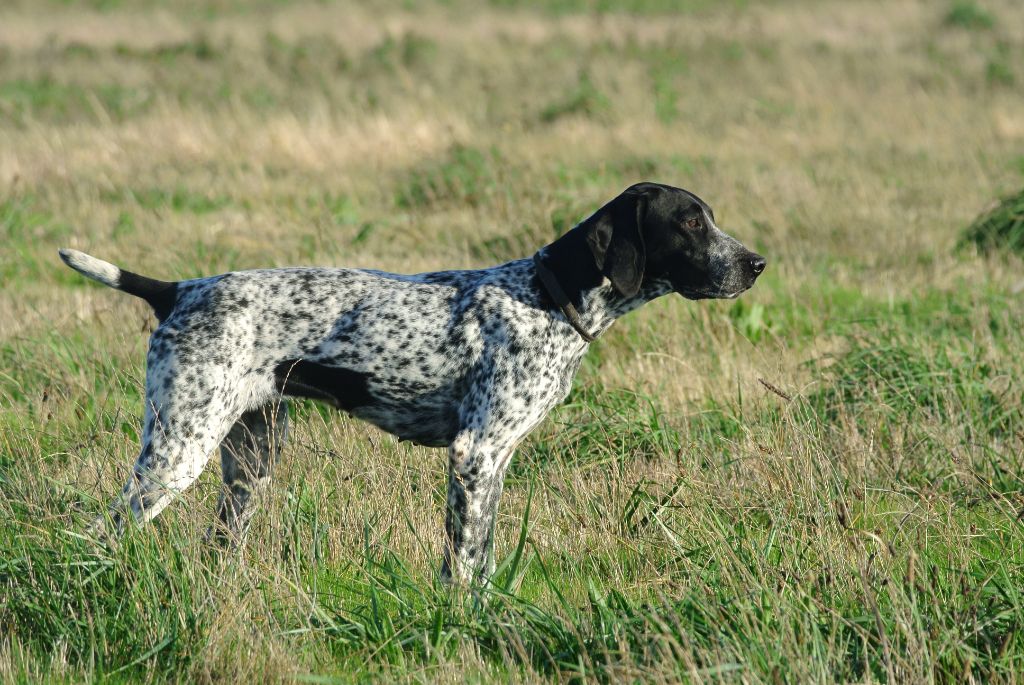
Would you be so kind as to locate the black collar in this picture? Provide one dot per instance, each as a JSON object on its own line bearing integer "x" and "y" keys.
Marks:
{"x": 554, "y": 289}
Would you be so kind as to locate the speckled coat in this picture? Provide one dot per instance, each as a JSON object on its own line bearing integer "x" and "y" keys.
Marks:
{"x": 470, "y": 360}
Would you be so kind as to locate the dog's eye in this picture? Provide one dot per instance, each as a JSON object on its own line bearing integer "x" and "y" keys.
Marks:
{"x": 693, "y": 223}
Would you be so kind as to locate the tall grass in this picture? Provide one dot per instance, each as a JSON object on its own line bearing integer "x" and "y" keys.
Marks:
{"x": 820, "y": 482}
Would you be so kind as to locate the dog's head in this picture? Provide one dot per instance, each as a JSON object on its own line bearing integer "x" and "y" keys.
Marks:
{"x": 653, "y": 232}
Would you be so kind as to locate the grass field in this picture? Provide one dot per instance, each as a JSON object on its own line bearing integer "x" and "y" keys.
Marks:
{"x": 855, "y": 518}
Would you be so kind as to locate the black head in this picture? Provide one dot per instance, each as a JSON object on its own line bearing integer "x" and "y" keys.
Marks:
{"x": 656, "y": 233}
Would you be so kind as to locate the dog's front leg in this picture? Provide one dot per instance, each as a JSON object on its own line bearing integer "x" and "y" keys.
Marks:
{"x": 476, "y": 474}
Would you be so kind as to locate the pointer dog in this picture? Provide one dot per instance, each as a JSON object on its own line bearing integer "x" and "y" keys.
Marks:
{"x": 468, "y": 360}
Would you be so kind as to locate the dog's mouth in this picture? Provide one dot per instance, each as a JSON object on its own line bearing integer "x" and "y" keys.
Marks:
{"x": 725, "y": 283}
{"x": 708, "y": 294}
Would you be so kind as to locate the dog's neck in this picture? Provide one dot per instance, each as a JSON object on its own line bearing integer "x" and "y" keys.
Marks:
{"x": 602, "y": 305}
{"x": 597, "y": 303}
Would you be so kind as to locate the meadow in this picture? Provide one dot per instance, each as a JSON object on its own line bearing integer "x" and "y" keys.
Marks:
{"x": 818, "y": 482}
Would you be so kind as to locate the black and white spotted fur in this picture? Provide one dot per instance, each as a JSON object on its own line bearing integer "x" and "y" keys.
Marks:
{"x": 468, "y": 360}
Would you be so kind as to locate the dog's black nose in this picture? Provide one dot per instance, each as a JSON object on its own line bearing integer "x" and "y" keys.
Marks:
{"x": 757, "y": 263}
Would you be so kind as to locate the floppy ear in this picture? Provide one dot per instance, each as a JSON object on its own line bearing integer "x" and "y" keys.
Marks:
{"x": 615, "y": 238}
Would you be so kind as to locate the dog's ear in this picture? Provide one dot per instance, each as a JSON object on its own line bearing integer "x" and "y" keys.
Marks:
{"x": 615, "y": 237}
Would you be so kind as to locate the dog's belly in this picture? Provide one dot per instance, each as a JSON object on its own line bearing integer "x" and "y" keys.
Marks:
{"x": 427, "y": 420}
{"x": 422, "y": 412}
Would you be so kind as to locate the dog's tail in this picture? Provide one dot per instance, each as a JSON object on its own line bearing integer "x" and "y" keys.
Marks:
{"x": 161, "y": 295}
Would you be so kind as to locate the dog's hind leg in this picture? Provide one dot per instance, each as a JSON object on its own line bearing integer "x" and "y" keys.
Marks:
{"x": 247, "y": 457}
{"x": 187, "y": 416}
{"x": 171, "y": 458}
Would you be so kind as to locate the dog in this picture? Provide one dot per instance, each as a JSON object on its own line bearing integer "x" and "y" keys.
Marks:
{"x": 468, "y": 360}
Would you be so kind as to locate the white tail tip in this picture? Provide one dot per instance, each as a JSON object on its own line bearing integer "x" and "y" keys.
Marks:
{"x": 97, "y": 269}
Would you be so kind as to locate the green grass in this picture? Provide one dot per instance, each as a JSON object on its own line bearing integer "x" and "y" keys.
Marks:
{"x": 464, "y": 175}
{"x": 177, "y": 200}
{"x": 48, "y": 99}
{"x": 817, "y": 482}
{"x": 759, "y": 572}
{"x": 969, "y": 15}
{"x": 1000, "y": 229}
{"x": 584, "y": 99}
{"x": 151, "y": 607}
